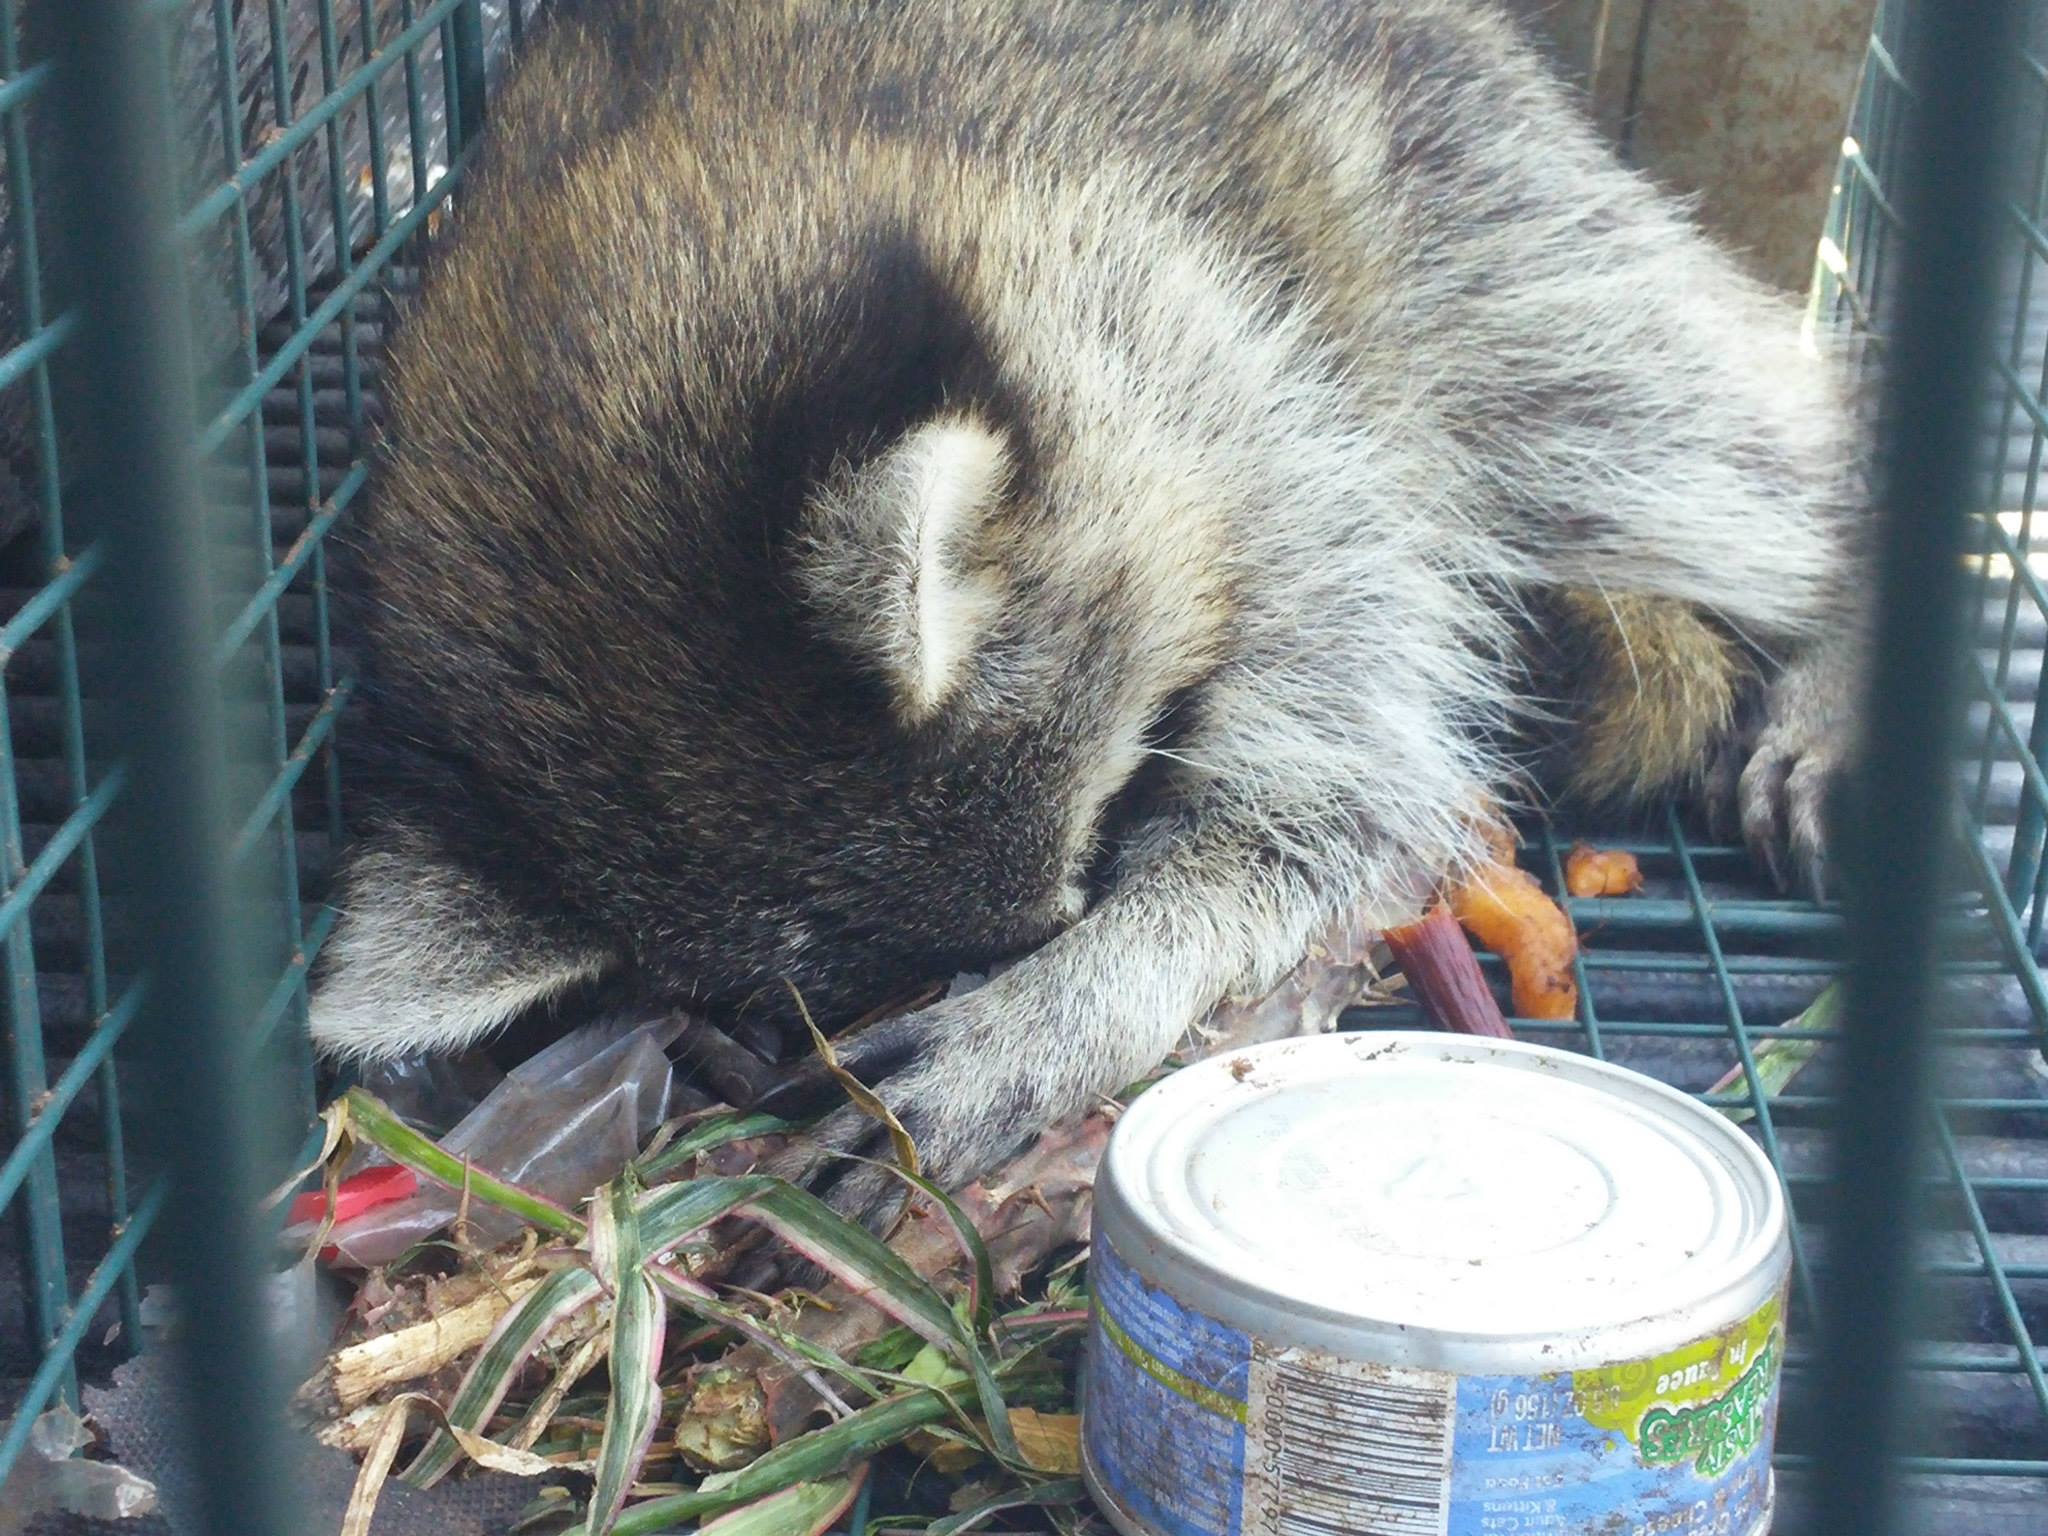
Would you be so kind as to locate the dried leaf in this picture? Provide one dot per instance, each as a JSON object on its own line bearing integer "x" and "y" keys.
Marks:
{"x": 335, "y": 1119}
{"x": 1049, "y": 1442}
{"x": 357, "y": 1373}
{"x": 946, "y": 1451}
{"x": 726, "y": 1425}
{"x": 376, "y": 1469}
{"x": 862, "y": 1096}
{"x": 518, "y": 1334}
{"x": 582, "y": 1360}
{"x": 496, "y": 1456}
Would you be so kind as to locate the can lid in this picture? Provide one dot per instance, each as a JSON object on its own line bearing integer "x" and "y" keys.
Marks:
{"x": 1480, "y": 1189}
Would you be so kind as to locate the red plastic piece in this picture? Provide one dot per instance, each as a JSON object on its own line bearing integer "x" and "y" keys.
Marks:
{"x": 365, "y": 1191}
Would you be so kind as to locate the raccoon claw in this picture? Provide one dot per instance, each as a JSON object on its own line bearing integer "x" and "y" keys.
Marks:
{"x": 1719, "y": 796}
{"x": 845, "y": 1158}
{"x": 1783, "y": 797}
{"x": 1777, "y": 774}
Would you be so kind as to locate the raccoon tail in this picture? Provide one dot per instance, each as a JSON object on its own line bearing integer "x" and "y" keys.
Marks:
{"x": 1654, "y": 686}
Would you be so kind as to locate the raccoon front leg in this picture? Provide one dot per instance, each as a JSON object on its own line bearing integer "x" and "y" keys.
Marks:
{"x": 1748, "y": 590}
{"x": 1201, "y": 911}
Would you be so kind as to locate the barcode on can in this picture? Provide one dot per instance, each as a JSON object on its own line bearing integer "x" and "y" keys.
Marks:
{"x": 1341, "y": 1448}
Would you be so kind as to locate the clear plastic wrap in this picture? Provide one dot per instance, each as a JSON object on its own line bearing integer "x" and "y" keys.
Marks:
{"x": 51, "y": 1479}
{"x": 559, "y": 1124}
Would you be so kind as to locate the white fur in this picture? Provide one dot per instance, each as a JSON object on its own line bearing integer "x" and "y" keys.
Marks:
{"x": 892, "y": 554}
{"x": 421, "y": 960}
{"x": 1327, "y": 512}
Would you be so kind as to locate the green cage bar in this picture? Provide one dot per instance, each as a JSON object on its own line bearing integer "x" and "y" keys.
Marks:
{"x": 134, "y": 428}
{"x": 325, "y": 150}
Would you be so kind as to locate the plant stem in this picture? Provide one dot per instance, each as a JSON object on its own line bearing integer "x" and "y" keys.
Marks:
{"x": 400, "y": 1142}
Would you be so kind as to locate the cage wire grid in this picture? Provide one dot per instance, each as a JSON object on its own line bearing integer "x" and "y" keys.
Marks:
{"x": 332, "y": 134}
{"x": 310, "y": 120}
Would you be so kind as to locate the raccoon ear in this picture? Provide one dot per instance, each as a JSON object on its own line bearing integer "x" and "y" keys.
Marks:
{"x": 425, "y": 957}
{"x": 892, "y": 556}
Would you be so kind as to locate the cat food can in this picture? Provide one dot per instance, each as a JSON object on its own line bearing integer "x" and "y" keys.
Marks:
{"x": 1432, "y": 1284}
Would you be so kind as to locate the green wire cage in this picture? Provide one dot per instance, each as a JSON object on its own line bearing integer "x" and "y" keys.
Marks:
{"x": 316, "y": 144}
{"x": 312, "y": 146}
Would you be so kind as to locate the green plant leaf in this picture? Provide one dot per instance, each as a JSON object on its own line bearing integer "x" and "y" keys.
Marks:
{"x": 891, "y": 1352}
{"x": 928, "y": 1367}
{"x": 718, "y": 1131}
{"x": 518, "y": 1334}
{"x": 1778, "y": 1061}
{"x": 793, "y": 1349}
{"x": 639, "y": 1323}
{"x": 1053, "y": 1495}
{"x": 806, "y": 1509}
{"x": 671, "y": 1213}
{"x": 376, "y": 1124}
{"x": 981, "y": 1292}
{"x": 602, "y": 1241}
{"x": 822, "y": 1453}
{"x": 873, "y": 1271}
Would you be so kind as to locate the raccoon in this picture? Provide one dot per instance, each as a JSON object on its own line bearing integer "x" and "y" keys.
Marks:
{"x": 876, "y": 489}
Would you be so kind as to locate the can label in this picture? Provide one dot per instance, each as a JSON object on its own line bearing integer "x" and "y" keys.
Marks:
{"x": 1198, "y": 1429}
{"x": 1167, "y": 1402}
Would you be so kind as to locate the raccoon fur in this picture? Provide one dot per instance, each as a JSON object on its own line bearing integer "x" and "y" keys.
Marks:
{"x": 879, "y": 488}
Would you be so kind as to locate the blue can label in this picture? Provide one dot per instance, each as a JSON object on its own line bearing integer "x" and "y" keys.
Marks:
{"x": 1167, "y": 1400}
{"x": 1197, "y": 1429}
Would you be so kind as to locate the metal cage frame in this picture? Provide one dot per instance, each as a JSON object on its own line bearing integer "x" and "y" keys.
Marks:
{"x": 209, "y": 691}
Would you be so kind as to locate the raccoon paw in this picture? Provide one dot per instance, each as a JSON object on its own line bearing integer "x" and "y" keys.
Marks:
{"x": 923, "y": 1066}
{"x": 1779, "y": 781}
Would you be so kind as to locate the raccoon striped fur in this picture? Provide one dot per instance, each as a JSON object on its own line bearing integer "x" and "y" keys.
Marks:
{"x": 877, "y": 488}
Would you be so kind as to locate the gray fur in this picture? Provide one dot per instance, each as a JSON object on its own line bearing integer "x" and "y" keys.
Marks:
{"x": 866, "y": 475}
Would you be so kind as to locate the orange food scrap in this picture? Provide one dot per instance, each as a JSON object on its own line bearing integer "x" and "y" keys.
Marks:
{"x": 1503, "y": 908}
{"x": 1500, "y": 838}
{"x": 1591, "y": 872}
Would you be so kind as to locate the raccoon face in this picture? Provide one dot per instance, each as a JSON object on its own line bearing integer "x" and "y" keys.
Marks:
{"x": 803, "y": 650}
{"x": 878, "y": 753}
{"x": 948, "y": 800}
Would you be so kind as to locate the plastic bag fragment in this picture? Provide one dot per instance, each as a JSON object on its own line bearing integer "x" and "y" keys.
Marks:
{"x": 560, "y": 1124}
{"x": 49, "y": 1478}
{"x": 431, "y": 1093}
